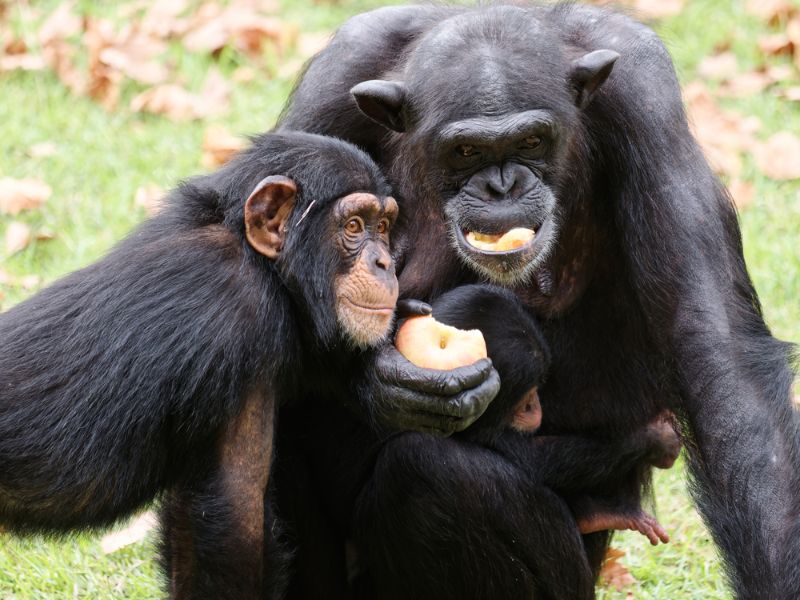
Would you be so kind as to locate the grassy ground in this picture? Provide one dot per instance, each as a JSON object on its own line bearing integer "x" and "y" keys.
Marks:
{"x": 102, "y": 158}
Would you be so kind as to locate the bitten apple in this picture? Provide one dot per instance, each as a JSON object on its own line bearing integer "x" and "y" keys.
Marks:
{"x": 428, "y": 343}
{"x": 511, "y": 240}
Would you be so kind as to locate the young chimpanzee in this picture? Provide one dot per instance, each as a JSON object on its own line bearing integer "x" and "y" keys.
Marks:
{"x": 160, "y": 366}
{"x": 481, "y": 514}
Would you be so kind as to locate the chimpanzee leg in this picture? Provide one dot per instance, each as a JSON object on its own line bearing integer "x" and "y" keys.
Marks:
{"x": 445, "y": 519}
{"x": 214, "y": 525}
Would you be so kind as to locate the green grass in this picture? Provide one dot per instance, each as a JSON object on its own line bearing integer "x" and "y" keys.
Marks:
{"x": 103, "y": 157}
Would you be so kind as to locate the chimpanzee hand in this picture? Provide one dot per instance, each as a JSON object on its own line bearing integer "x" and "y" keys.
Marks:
{"x": 404, "y": 396}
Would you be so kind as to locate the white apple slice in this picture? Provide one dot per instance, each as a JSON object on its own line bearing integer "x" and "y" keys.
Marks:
{"x": 513, "y": 238}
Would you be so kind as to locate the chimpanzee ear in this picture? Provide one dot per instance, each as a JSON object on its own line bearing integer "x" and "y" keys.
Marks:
{"x": 382, "y": 101}
{"x": 266, "y": 212}
{"x": 589, "y": 72}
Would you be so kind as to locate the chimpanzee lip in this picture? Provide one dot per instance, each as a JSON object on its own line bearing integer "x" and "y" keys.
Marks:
{"x": 380, "y": 309}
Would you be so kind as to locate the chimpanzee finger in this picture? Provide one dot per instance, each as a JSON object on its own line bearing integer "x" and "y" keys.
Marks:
{"x": 475, "y": 401}
{"x": 410, "y": 409}
{"x": 409, "y": 307}
{"x": 394, "y": 369}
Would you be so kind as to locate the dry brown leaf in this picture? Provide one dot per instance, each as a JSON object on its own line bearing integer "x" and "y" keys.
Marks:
{"x": 244, "y": 74}
{"x": 776, "y": 44}
{"x": 219, "y": 146}
{"x": 150, "y": 197}
{"x": 723, "y": 134}
{"x": 131, "y": 534}
{"x": 780, "y": 73}
{"x": 177, "y": 103}
{"x": 30, "y": 282}
{"x": 779, "y": 157}
{"x": 18, "y": 236}
{"x": 162, "y": 19}
{"x": 792, "y": 93}
{"x": 42, "y": 150}
{"x": 657, "y": 9}
{"x": 742, "y": 192}
{"x": 746, "y": 84}
{"x": 17, "y": 195}
{"x": 238, "y": 26}
{"x": 24, "y": 62}
{"x": 613, "y": 573}
{"x": 771, "y": 11}
{"x": 718, "y": 66}
{"x": 308, "y": 44}
{"x": 60, "y": 25}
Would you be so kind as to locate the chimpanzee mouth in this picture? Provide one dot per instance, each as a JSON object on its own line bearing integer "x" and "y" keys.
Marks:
{"x": 513, "y": 240}
{"x": 508, "y": 257}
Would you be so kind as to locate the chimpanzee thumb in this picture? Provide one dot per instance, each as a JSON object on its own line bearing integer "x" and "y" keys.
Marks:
{"x": 412, "y": 308}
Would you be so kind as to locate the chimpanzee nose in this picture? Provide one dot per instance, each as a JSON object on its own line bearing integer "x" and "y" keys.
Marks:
{"x": 382, "y": 259}
{"x": 500, "y": 181}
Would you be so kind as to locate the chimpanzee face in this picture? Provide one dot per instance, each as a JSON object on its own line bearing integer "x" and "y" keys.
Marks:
{"x": 365, "y": 287}
{"x": 490, "y": 137}
{"x": 343, "y": 247}
{"x": 499, "y": 207}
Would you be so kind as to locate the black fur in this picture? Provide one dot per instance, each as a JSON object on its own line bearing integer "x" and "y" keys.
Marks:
{"x": 645, "y": 297}
{"x": 482, "y": 506}
{"x": 117, "y": 382}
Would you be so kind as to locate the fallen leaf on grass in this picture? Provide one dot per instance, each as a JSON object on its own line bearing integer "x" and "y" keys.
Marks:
{"x": 746, "y": 84}
{"x": 30, "y": 282}
{"x": 133, "y": 533}
{"x": 219, "y": 146}
{"x": 718, "y": 66}
{"x": 742, "y": 192}
{"x": 613, "y": 573}
{"x": 792, "y": 94}
{"x": 771, "y": 11}
{"x": 150, "y": 198}
{"x": 17, "y": 195}
{"x": 776, "y": 44}
{"x": 42, "y": 150}
{"x": 779, "y": 157}
{"x": 657, "y": 9}
{"x": 723, "y": 134}
{"x": 18, "y": 236}
{"x": 236, "y": 26}
{"x": 177, "y": 103}
{"x": 23, "y": 62}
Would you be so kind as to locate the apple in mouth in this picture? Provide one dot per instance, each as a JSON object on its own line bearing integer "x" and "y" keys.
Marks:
{"x": 512, "y": 239}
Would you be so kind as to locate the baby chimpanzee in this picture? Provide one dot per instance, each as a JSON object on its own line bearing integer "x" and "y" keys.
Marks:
{"x": 481, "y": 514}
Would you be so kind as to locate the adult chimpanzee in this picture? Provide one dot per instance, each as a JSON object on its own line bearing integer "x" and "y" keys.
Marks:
{"x": 160, "y": 365}
{"x": 479, "y": 505}
{"x": 492, "y": 118}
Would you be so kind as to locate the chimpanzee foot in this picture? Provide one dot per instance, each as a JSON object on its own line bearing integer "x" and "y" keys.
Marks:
{"x": 640, "y": 521}
{"x": 663, "y": 433}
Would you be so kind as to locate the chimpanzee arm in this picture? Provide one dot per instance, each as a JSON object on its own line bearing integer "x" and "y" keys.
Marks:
{"x": 117, "y": 378}
{"x": 685, "y": 262}
{"x": 213, "y": 526}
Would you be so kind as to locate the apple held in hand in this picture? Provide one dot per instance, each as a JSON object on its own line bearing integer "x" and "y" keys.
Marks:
{"x": 428, "y": 343}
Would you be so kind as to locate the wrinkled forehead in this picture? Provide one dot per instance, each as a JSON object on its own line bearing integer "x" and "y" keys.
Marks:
{"x": 366, "y": 204}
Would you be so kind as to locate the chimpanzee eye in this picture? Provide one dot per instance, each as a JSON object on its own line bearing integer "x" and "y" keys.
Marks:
{"x": 383, "y": 226}
{"x": 354, "y": 225}
{"x": 531, "y": 141}
{"x": 465, "y": 149}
